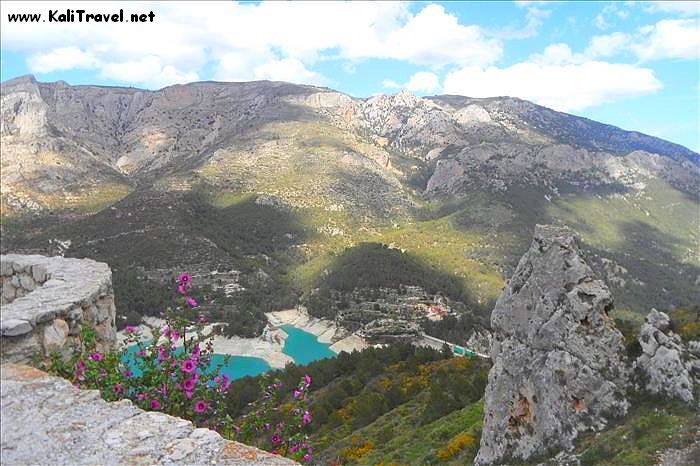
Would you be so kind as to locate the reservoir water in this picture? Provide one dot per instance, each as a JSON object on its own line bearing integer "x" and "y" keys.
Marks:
{"x": 302, "y": 346}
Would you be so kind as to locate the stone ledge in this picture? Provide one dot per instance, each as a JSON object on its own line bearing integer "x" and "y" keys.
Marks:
{"x": 66, "y": 282}
{"x": 44, "y": 301}
{"x": 45, "y": 420}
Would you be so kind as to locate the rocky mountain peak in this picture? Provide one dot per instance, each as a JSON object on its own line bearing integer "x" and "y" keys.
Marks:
{"x": 558, "y": 358}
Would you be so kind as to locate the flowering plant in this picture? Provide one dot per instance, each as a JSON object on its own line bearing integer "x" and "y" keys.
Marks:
{"x": 174, "y": 373}
{"x": 278, "y": 426}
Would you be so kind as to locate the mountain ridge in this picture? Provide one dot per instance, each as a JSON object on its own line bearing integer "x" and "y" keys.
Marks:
{"x": 454, "y": 183}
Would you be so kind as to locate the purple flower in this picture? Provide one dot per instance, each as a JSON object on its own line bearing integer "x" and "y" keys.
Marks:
{"x": 96, "y": 356}
{"x": 191, "y": 301}
{"x": 188, "y": 394}
{"x": 175, "y": 335}
{"x": 307, "y": 380}
{"x": 306, "y": 418}
{"x": 189, "y": 384}
{"x": 295, "y": 448}
{"x": 276, "y": 439}
{"x": 155, "y": 404}
{"x": 128, "y": 374}
{"x": 297, "y": 393}
{"x": 307, "y": 457}
{"x": 188, "y": 366}
{"x": 185, "y": 279}
{"x": 267, "y": 426}
{"x": 203, "y": 320}
{"x": 162, "y": 354}
{"x": 201, "y": 406}
{"x": 131, "y": 329}
{"x": 141, "y": 396}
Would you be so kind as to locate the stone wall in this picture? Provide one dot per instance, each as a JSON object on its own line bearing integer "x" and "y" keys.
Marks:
{"x": 44, "y": 301}
{"x": 45, "y": 420}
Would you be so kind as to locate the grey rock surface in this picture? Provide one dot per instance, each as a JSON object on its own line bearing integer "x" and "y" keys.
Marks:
{"x": 558, "y": 365}
{"x": 47, "y": 421}
{"x": 44, "y": 301}
{"x": 665, "y": 366}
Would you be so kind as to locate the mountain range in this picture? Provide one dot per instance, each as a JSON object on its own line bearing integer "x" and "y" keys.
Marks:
{"x": 290, "y": 186}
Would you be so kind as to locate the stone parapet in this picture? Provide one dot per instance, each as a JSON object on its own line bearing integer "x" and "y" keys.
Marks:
{"x": 45, "y": 420}
{"x": 44, "y": 300}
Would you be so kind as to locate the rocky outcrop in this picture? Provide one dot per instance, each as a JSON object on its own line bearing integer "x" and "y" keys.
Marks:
{"x": 665, "y": 366}
{"x": 387, "y": 330}
{"x": 44, "y": 301}
{"x": 45, "y": 420}
{"x": 558, "y": 364}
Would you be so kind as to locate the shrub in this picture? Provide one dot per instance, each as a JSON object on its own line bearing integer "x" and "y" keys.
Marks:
{"x": 174, "y": 374}
{"x": 456, "y": 445}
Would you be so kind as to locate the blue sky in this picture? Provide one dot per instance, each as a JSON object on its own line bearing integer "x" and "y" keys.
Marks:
{"x": 632, "y": 64}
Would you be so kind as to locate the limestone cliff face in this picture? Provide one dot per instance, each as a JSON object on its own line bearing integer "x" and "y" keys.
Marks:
{"x": 558, "y": 358}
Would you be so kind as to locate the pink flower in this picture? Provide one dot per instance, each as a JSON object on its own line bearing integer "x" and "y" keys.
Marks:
{"x": 307, "y": 457}
{"x": 162, "y": 354}
{"x": 191, "y": 302}
{"x": 201, "y": 407}
{"x": 307, "y": 380}
{"x": 306, "y": 418}
{"x": 155, "y": 404}
{"x": 297, "y": 393}
{"x": 188, "y": 394}
{"x": 131, "y": 329}
{"x": 189, "y": 384}
{"x": 185, "y": 279}
{"x": 188, "y": 366}
{"x": 141, "y": 396}
{"x": 276, "y": 439}
{"x": 96, "y": 356}
{"x": 203, "y": 320}
{"x": 127, "y": 373}
{"x": 295, "y": 448}
{"x": 175, "y": 335}
{"x": 166, "y": 330}
{"x": 117, "y": 388}
{"x": 182, "y": 289}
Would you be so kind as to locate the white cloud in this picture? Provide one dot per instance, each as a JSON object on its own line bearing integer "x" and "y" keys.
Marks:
{"x": 147, "y": 70}
{"x": 557, "y": 78}
{"x": 288, "y": 69}
{"x": 608, "y": 45}
{"x": 534, "y": 19}
{"x": 677, "y": 38}
{"x": 423, "y": 81}
{"x": 685, "y": 8}
{"x": 667, "y": 39}
{"x": 276, "y": 40}
{"x": 391, "y": 84}
{"x": 62, "y": 58}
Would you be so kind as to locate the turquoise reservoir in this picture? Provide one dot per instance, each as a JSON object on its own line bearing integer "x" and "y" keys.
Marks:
{"x": 304, "y": 347}
{"x": 238, "y": 366}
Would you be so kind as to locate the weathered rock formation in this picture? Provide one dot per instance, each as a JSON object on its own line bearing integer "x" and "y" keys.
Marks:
{"x": 558, "y": 358}
{"x": 665, "y": 366}
{"x": 45, "y": 420}
{"x": 44, "y": 300}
